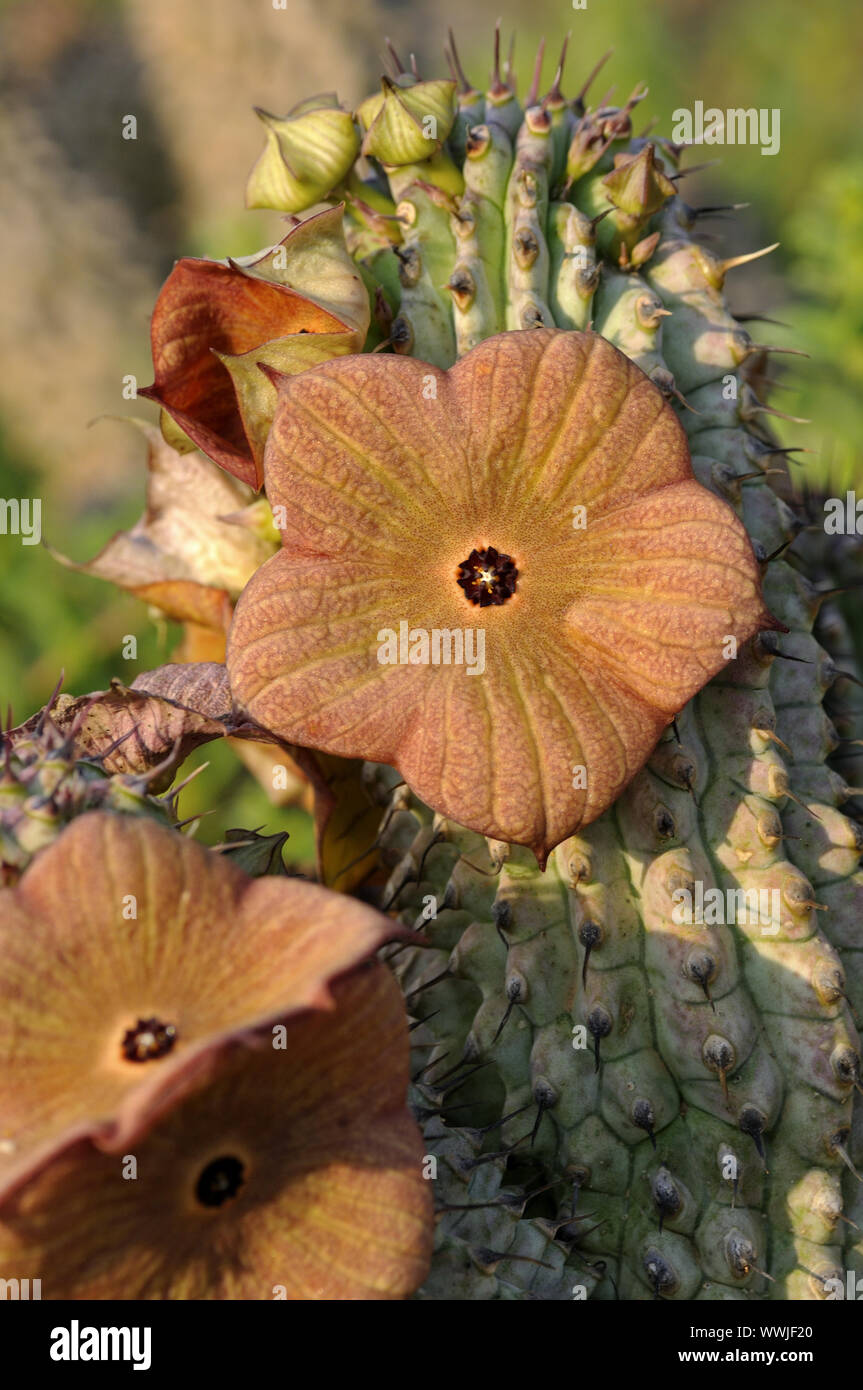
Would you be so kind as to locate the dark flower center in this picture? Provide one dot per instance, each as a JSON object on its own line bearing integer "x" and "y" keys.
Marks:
{"x": 487, "y": 577}
{"x": 150, "y": 1038}
{"x": 220, "y": 1181}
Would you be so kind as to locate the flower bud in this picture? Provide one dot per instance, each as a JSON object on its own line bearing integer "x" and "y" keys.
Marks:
{"x": 308, "y": 152}
{"x": 404, "y": 125}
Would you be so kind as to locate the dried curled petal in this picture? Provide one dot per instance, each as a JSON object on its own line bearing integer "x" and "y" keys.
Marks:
{"x": 290, "y": 307}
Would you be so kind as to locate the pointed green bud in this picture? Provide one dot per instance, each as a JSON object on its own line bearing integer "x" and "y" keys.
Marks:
{"x": 371, "y": 224}
{"x": 638, "y": 186}
{"x": 405, "y": 125}
{"x": 257, "y": 855}
{"x": 586, "y": 148}
{"x": 307, "y": 154}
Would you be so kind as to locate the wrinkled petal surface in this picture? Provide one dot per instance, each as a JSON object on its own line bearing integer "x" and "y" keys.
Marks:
{"x": 167, "y": 930}
{"x": 558, "y": 452}
{"x": 332, "y": 1202}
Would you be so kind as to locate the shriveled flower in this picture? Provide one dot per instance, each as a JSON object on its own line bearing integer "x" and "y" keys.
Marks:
{"x": 291, "y": 1171}
{"x": 128, "y": 952}
{"x": 544, "y": 472}
{"x": 199, "y": 541}
{"x": 294, "y": 305}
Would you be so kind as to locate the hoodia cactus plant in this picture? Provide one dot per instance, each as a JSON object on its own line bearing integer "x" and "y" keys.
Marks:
{"x": 675, "y": 1085}
{"x": 537, "y": 625}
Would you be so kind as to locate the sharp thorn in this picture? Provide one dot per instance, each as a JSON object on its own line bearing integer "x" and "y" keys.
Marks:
{"x": 418, "y": 1023}
{"x": 678, "y": 396}
{"x": 786, "y": 656}
{"x": 399, "y": 65}
{"x": 595, "y": 221}
{"x": 460, "y": 1080}
{"x": 843, "y": 1154}
{"x": 508, "y": 65}
{"x": 531, "y": 98}
{"x": 558, "y": 75}
{"x": 190, "y": 819}
{"x": 848, "y": 677}
{"x": 40, "y": 724}
{"x": 786, "y": 351}
{"x": 760, "y": 474}
{"x": 802, "y": 804}
{"x": 500, "y": 1027}
{"x": 495, "y": 75}
{"x": 455, "y": 64}
{"x": 761, "y": 318}
{"x": 173, "y": 792}
{"x": 712, "y": 210}
{"x": 579, "y": 100}
{"x": 496, "y": 1124}
{"x": 694, "y": 169}
{"x": 774, "y": 554}
{"x": 747, "y": 257}
{"x": 444, "y": 975}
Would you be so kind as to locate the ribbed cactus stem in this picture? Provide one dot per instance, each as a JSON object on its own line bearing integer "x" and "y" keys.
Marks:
{"x": 525, "y": 218}
{"x": 574, "y": 271}
{"x": 427, "y": 250}
{"x": 688, "y": 1083}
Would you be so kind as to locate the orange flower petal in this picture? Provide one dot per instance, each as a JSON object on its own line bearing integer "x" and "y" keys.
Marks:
{"x": 558, "y": 452}
{"x": 332, "y": 1203}
{"x": 166, "y": 930}
{"x": 671, "y": 580}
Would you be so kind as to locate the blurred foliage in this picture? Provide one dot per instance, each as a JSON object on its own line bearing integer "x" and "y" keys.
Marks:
{"x": 825, "y": 235}
{"x": 227, "y": 797}
{"x": 54, "y": 620}
{"x": 192, "y": 69}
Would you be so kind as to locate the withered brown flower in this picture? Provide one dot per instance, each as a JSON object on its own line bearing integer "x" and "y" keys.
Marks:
{"x": 293, "y": 305}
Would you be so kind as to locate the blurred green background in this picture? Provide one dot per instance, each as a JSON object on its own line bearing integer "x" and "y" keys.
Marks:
{"x": 90, "y": 223}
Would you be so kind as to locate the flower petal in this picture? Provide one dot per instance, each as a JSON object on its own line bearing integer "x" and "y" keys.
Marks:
{"x": 591, "y": 430}
{"x": 553, "y": 451}
{"x": 166, "y": 930}
{"x": 133, "y": 729}
{"x": 359, "y": 459}
{"x": 332, "y": 1204}
{"x": 674, "y": 587}
{"x": 184, "y": 541}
